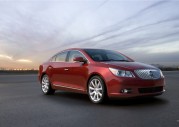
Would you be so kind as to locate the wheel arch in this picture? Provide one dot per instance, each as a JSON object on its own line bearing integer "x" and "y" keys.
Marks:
{"x": 42, "y": 76}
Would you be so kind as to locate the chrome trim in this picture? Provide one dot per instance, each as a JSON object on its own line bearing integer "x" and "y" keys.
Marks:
{"x": 68, "y": 87}
{"x": 148, "y": 73}
{"x": 68, "y": 61}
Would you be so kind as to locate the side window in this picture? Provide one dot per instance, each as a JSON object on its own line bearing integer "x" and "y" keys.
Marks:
{"x": 61, "y": 57}
{"x": 53, "y": 59}
{"x": 74, "y": 54}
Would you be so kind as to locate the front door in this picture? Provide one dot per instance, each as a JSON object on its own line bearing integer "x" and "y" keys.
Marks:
{"x": 77, "y": 71}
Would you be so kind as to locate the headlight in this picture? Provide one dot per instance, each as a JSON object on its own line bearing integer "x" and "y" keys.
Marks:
{"x": 161, "y": 74}
{"x": 121, "y": 73}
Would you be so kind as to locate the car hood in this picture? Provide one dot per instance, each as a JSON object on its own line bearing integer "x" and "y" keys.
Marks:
{"x": 130, "y": 65}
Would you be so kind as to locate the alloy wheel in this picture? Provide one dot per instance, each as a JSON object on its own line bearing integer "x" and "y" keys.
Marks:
{"x": 45, "y": 84}
{"x": 95, "y": 90}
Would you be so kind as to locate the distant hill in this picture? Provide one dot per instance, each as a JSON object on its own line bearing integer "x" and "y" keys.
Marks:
{"x": 166, "y": 68}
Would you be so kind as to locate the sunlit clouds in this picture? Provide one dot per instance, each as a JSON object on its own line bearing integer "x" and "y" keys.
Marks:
{"x": 5, "y": 57}
{"x": 24, "y": 61}
{"x": 32, "y": 31}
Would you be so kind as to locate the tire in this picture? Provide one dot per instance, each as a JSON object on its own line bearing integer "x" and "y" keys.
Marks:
{"x": 97, "y": 90}
{"x": 46, "y": 85}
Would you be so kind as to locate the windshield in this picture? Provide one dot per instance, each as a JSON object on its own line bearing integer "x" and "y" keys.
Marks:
{"x": 101, "y": 55}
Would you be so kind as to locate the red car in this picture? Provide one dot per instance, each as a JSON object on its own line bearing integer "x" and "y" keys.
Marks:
{"x": 99, "y": 73}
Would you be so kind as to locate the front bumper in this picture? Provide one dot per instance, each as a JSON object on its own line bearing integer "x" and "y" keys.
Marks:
{"x": 135, "y": 86}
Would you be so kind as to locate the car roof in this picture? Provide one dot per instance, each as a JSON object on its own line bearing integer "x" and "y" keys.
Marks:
{"x": 85, "y": 49}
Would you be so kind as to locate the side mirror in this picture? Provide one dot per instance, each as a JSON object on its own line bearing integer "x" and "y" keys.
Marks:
{"x": 79, "y": 59}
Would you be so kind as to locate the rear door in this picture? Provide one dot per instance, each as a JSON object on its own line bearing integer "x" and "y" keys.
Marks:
{"x": 59, "y": 74}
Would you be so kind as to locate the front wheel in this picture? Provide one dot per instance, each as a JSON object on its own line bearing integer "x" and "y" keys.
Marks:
{"x": 96, "y": 90}
{"x": 46, "y": 86}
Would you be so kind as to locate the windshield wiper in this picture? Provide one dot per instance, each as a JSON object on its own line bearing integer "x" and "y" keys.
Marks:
{"x": 122, "y": 60}
{"x": 114, "y": 60}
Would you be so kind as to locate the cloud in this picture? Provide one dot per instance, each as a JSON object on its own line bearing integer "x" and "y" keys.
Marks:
{"x": 169, "y": 58}
{"x": 165, "y": 48}
{"x": 24, "y": 60}
{"x": 11, "y": 58}
{"x": 31, "y": 32}
{"x": 5, "y": 57}
{"x": 134, "y": 25}
{"x": 118, "y": 26}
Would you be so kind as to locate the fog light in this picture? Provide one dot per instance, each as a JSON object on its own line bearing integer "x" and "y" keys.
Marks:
{"x": 126, "y": 91}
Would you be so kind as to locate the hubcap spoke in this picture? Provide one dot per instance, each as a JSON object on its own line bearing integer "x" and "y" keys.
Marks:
{"x": 91, "y": 88}
{"x": 97, "y": 97}
{"x": 100, "y": 94}
{"x": 92, "y": 93}
{"x": 95, "y": 82}
{"x": 92, "y": 84}
{"x": 99, "y": 89}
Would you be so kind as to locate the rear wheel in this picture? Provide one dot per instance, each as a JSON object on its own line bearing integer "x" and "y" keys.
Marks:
{"x": 46, "y": 86}
{"x": 96, "y": 90}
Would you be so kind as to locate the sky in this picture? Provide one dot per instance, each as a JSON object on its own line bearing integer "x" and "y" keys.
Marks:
{"x": 31, "y": 31}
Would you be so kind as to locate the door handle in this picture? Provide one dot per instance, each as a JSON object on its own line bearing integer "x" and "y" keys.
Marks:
{"x": 50, "y": 67}
{"x": 66, "y": 69}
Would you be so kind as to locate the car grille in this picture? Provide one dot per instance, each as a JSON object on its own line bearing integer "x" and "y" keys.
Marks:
{"x": 148, "y": 73}
{"x": 151, "y": 89}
